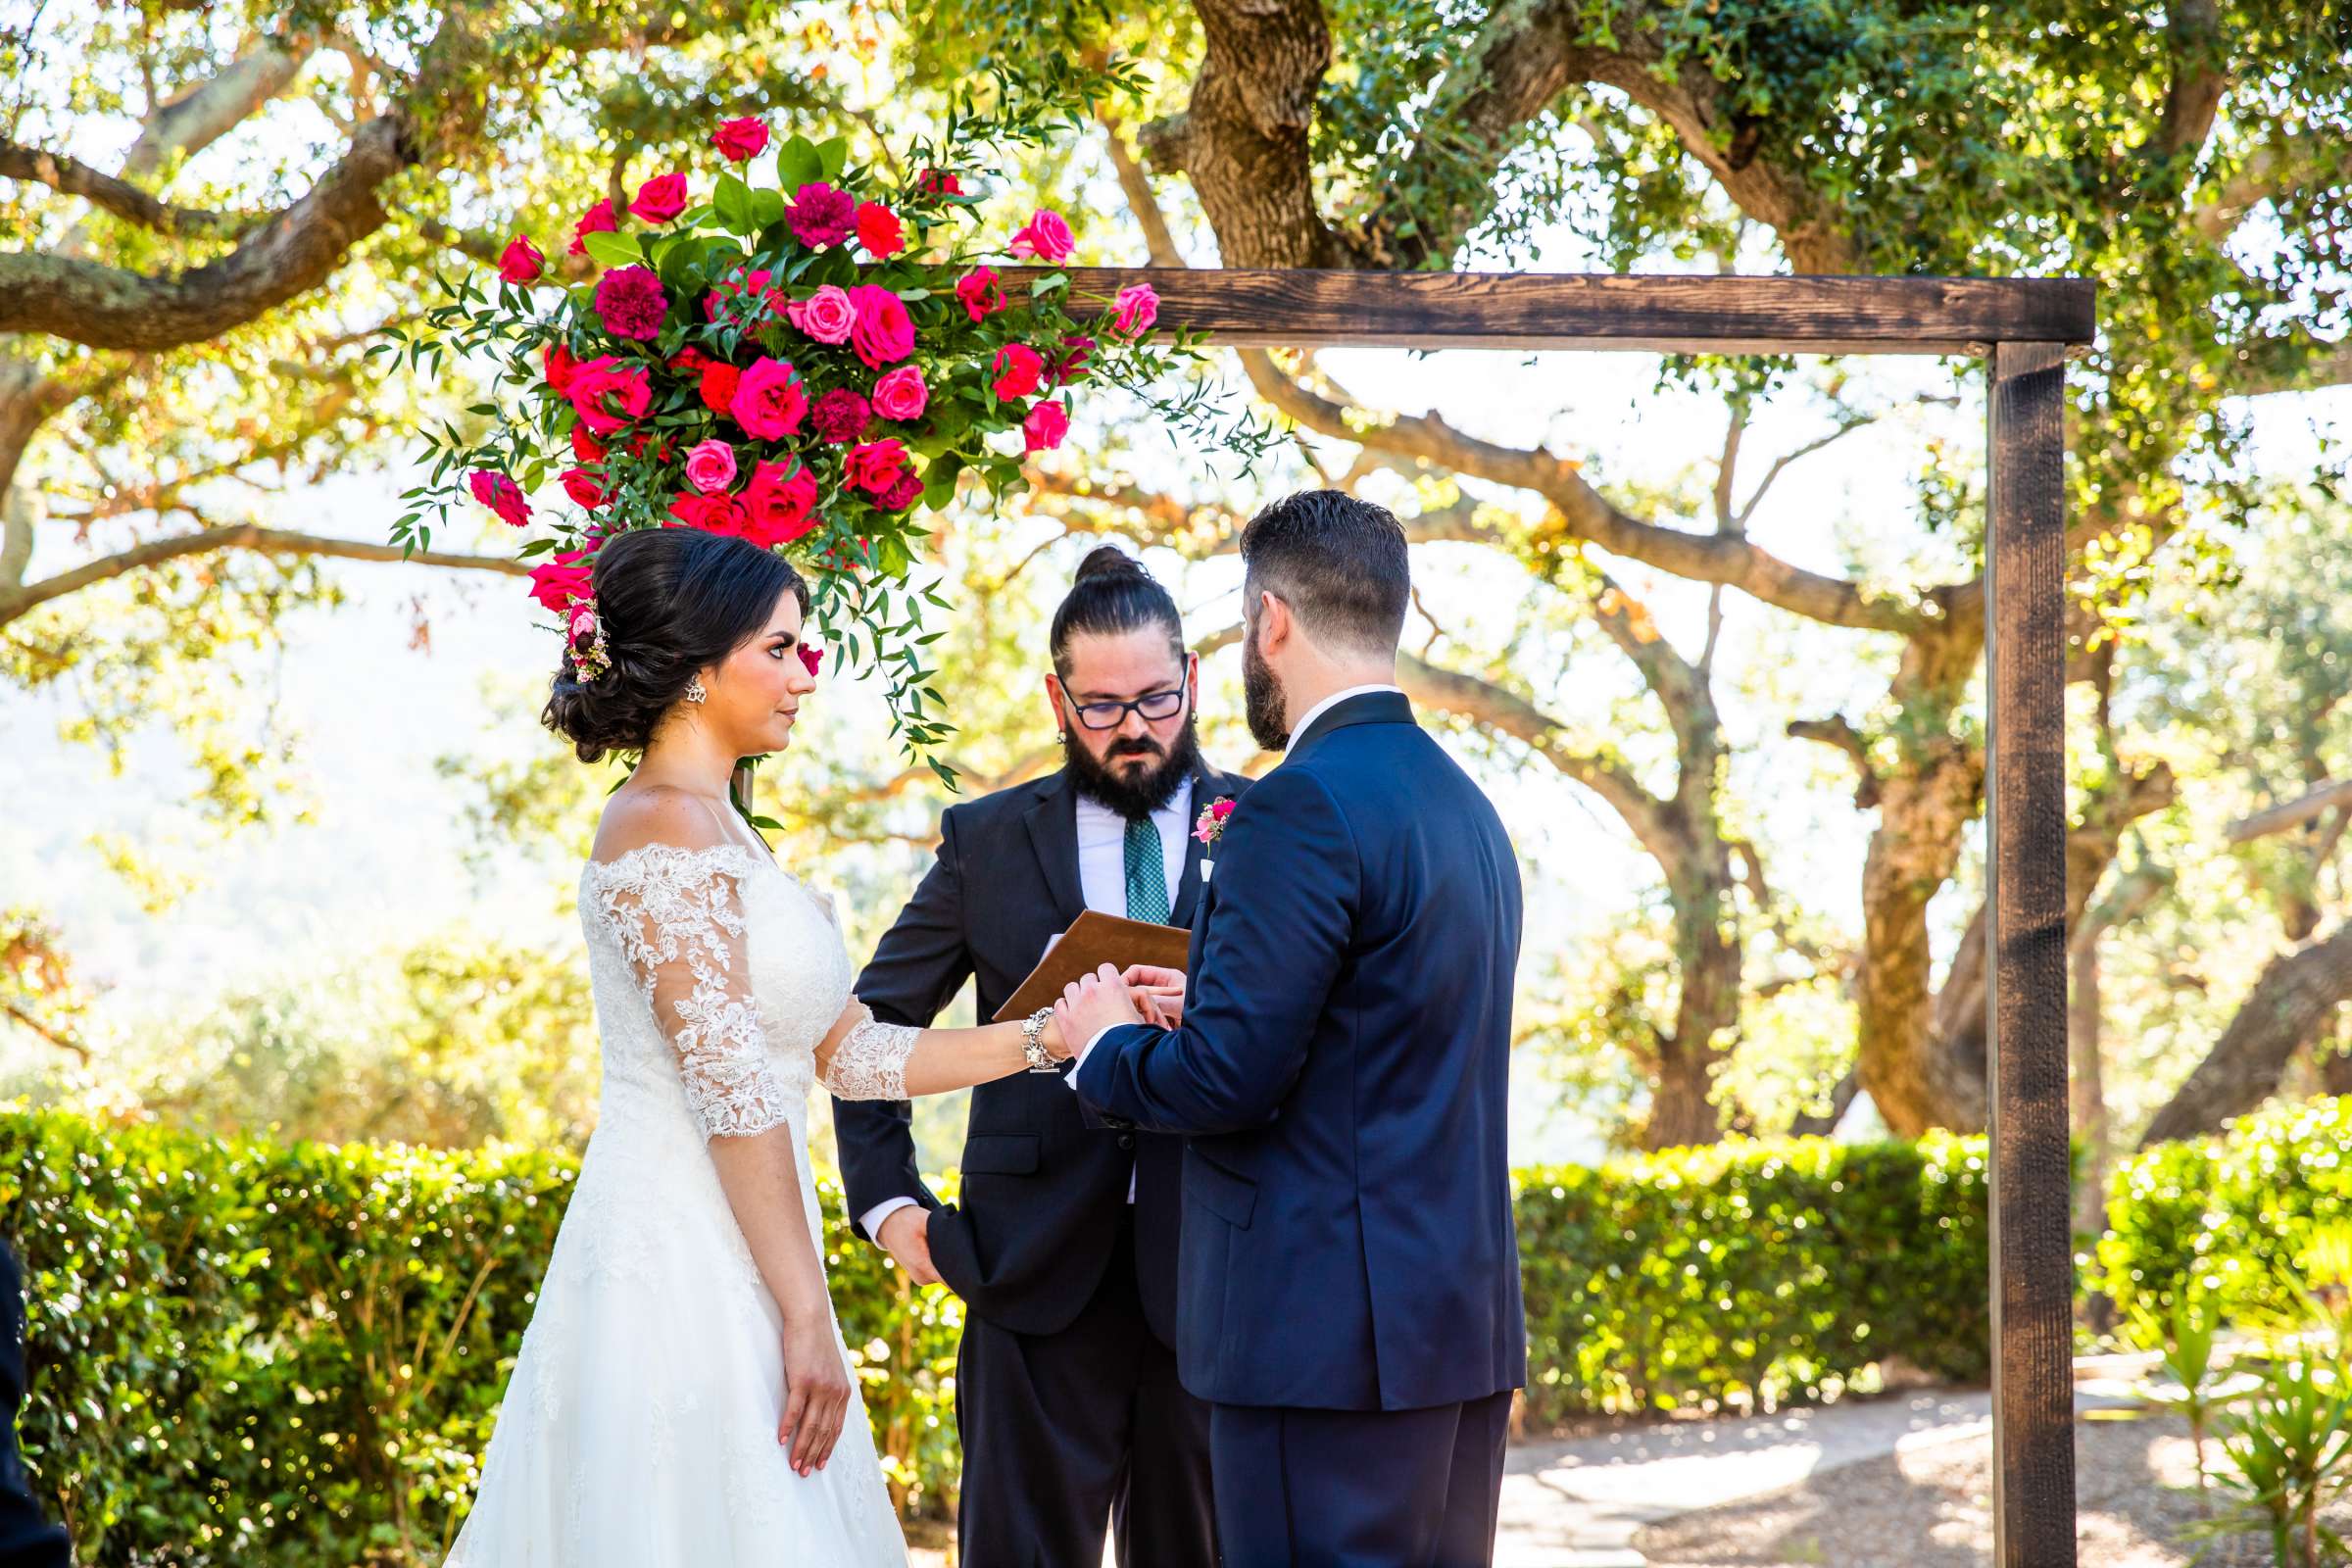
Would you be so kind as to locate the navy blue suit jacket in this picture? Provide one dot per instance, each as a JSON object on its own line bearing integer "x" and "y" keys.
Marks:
{"x": 1343, "y": 1071}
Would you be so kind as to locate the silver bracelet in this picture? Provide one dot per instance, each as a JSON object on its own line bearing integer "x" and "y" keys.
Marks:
{"x": 1033, "y": 1044}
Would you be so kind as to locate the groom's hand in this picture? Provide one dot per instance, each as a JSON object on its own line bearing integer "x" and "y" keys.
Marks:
{"x": 1158, "y": 992}
{"x": 906, "y": 1237}
{"x": 1093, "y": 1005}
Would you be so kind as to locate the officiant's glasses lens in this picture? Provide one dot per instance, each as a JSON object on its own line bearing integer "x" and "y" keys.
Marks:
{"x": 1110, "y": 715}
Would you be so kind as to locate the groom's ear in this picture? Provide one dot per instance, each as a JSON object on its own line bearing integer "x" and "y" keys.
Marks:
{"x": 1274, "y": 623}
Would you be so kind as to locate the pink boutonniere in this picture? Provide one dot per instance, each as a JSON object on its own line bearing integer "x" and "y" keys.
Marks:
{"x": 1211, "y": 826}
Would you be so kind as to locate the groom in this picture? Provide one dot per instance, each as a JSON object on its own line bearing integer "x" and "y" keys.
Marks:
{"x": 1064, "y": 1245}
{"x": 1348, "y": 1290}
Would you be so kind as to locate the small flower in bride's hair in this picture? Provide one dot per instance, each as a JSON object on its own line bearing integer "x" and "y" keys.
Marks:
{"x": 584, "y": 640}
{"x": 810, "y": 658}
{"x": 1211, "y": 825}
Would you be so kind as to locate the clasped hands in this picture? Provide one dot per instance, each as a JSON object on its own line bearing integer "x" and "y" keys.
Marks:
{"x": 1143, "y": 993}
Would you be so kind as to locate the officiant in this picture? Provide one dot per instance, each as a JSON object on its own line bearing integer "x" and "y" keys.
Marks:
{"x": 1063, "y": 1244}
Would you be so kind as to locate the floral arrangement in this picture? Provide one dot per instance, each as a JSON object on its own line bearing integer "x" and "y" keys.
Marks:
{"x": 1211, "y": 826}
{"x": 810, "y": 364}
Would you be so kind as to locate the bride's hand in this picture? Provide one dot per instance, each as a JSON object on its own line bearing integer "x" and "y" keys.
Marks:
{"x": 816, "y": 1392}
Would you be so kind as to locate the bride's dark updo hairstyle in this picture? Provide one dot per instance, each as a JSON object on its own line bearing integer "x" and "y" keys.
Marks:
{"x": 671, "y": 602}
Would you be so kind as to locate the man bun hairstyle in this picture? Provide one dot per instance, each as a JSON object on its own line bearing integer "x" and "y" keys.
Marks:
{"x": 1339, "y": 563}
{"x": 1113, "y": 595}
{"x": 671, "y": 602}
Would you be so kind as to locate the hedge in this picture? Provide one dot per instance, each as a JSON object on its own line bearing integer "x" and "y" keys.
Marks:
{"x": 251, "y": 1354}
{"x": 2226, "y": 1219}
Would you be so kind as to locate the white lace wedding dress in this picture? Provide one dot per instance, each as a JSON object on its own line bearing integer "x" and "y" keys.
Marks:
{"x": 639, "y": 1427}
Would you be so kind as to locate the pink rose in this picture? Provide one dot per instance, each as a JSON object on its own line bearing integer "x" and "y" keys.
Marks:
{"x": 900, "y": 394}
{"x": 739, "y": 140}
{"x": 821, "y": 215}
{"x": 501, "y": 495}
{"x": 584, "y": 487}
{"x": 1045, "y": 426}
{"x": 521, "y": 261}
{"x": 779, "y": 507}
{"x": 826, "y": 315}
{"x": 631, "y": 303}
{"x": 710, "y": 466}
{"x": 1044, "y": 236}
{"x": 1138, "y": 308}
{"x": 597, "y": 220}
{"x": 884, "y": 333}
{"x": 980, "y": 292}
{"x": 1017, "y": 369}
{"x": 875, "y": 466}
{"x": 560, "y": 579}
{"x": 880, "y": 232}
{"x": 769, "y": 401}
{"x": 606, "y": 395}
{"x": 661, "y": 199}
{"x": 840, "y": 415}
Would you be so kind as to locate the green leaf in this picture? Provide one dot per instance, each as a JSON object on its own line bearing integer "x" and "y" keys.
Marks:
{"x": 832, "y": 157}
{"x": 798, "y": 164}
{"x": 768, "y": 207}
{"x": 733, "y": 203}
{"x": 614, "y": 250}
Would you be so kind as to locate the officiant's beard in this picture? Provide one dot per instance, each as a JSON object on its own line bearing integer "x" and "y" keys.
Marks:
{"x": 1268, "y": 705}
{"x": 1135, "y": 795}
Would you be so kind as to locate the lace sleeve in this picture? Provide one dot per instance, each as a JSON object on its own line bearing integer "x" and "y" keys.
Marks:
{"x": 870, "y": 1063}
{"x": 679, "y": 915}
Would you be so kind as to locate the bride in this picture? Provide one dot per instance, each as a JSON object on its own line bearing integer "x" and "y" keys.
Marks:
{"x": 682, "y": 1397}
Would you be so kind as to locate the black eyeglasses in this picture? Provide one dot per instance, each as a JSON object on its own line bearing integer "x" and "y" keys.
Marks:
{"x": 1154, "y": 707}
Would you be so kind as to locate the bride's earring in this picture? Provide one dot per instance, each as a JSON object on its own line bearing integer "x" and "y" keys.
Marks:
{"x": 693, "y": 690}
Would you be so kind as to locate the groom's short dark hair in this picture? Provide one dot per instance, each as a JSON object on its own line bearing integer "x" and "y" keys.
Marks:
{"x": 1339, "y": 563}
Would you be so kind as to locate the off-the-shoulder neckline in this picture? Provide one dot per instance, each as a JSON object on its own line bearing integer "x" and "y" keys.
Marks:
{"x": 683, "y": 851}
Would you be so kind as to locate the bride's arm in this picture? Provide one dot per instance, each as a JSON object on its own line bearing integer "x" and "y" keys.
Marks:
{"x": 681, "y": 922}
{"x": 861, "y": 1057}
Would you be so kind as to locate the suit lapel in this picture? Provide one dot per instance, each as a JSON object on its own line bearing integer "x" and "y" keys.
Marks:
{"x": 1205, "y": 788}
{"x": 1053, "y": 825}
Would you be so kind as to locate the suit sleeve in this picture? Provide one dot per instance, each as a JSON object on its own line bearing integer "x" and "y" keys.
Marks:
{"x": 917, "y": 968}
{"x": 1286, "y": 900}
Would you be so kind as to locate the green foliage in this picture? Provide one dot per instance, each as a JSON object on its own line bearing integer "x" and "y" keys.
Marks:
{"x": 251, "y": 1354}
{"x": 2228, "y": 1221}
{"x": 1753, "y": 1275}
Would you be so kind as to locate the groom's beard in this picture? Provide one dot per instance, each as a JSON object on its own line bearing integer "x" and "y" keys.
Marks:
{"x": 1268, "y": 708}
{"x": 1133, "y": 795}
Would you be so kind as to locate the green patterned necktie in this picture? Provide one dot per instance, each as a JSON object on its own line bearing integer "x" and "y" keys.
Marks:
{"x": 1146, "y": 874}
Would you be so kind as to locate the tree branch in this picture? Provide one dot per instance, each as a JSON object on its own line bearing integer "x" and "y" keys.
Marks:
{"x": 71, "y": 177}
{"x": 1839, "y": 736}
{"x": 2200, "y": 76}
{"x": 1585, "y": 514}
{"x": 240, "y": 536}
{"x": 2289, "y": 814}
{"x": 1135, "y": 182}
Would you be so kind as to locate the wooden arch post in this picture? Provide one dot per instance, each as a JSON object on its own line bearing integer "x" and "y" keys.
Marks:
{"x": 2022, "y": 327}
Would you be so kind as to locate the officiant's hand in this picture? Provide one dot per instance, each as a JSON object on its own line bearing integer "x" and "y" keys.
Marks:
{"x": 1158, "y": 992}
{"x": 1093, "y": 1005}
{"x": 907, "y": 1238}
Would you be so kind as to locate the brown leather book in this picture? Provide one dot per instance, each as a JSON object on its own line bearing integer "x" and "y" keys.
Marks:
{"x": 1094, "y": 940}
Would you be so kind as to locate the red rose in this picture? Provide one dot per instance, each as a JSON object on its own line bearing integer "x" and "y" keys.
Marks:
{"x": 1017, "y": 370}
{"x": 879, "y": 231}
{"x": 607, "y": 396}
{"x": 884, "y": 333}
{"x": 1069, "y": 365}
{"x": 940, "y": 182}
{"x": 770, "y": 402}
{"x": 779, "y": 507}
{"x": 585, "y": 488}
{"x": 521, "y": 261}
{"x": 875, "y": 466}
{"x": 1045, "y": 426}
{"x": 501, "y": 495}
{"x": 556, "y": 582}
{"x": 597, "y": 220}
{"x": 980, "y": 291}
{"x": 710, "y": 513}
{"x": 560, "y": 366}
{"x": 739, "y": 139}
{"x": 720, "y": 380}
{"x": 585, "y": 446}
{"x": 661, "y": 199}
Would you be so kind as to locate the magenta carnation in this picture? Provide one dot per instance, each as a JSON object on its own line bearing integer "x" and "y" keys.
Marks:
{"x": 839, "y": 416}
{"x": 821, "y": 215}
{"x": 631, "y": 303}
{"x": 903, "y": 492}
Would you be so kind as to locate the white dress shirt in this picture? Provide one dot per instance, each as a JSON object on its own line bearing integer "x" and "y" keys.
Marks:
{"x": 1102, "y": 881}
{"x": 1304, "y": 720}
